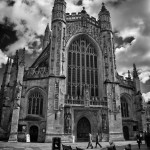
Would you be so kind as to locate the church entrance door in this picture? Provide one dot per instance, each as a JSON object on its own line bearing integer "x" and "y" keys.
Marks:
{"x": 33, "y": 133}
{"x": 126, "y": 132}
{"x": 83, "y": 130}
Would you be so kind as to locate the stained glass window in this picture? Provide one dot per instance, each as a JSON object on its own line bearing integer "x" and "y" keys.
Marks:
{"x": 35, "y": 103}
{"x": 82, "y": 67}
{"x": 124, "y": 107}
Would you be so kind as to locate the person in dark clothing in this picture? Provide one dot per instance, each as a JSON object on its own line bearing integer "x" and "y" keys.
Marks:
{"x": 90, "y": 141}
{"x": 147, "y": 139}
{"x": 111, "y": 146}
{"x": 139, "y": 140}
{"x": 128, "y": 147}
{"x": 97, "y": 141}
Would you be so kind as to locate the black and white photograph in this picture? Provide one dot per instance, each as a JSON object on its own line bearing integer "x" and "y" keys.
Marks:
{"x": 74, "y": 74}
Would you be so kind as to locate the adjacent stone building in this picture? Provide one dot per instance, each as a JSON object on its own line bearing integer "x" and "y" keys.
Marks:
{"x": 146, "y": 116}
{"x": 73, "y": 87}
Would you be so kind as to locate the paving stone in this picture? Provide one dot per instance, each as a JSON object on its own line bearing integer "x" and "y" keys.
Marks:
{"x": 28, "y": 148}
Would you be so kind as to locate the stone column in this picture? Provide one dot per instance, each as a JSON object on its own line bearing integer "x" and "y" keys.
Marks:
{"x": 114, "y": 111}
{"x": 17, "y": 98}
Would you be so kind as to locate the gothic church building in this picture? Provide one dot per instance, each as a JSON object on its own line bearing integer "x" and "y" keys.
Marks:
{"x": 72, "y": 88}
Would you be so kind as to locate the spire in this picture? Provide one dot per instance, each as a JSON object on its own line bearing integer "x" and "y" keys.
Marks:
{"x": 15, "y": 59}
{"x": 46, "y": 38}
{"x": 83, "y": 10}
{"x": 129, "y": 75}
{"x": 7, "y": 64}
{"x": 104, "y": 19}
{"x": 47, "y": 29}
{"x": 135, "y": 73}
{"x": 22, "y": 57}
{"x": 104, "y": 9}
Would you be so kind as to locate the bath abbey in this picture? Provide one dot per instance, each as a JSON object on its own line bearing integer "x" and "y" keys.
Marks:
{"x": 72, "y": 88}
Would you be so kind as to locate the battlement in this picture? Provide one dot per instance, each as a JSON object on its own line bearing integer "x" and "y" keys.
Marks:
{"x": 77, "y": 16}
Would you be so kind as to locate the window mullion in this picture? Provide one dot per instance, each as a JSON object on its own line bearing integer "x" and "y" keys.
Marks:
{"x": 35, "y": 105}
{"x": 31, "y": 105}
{"x": 71, "y": 73}
{"x": 80, "y": 69}
{"x": 76, "y": 72}
{"x": 85, "y": 65}
{"x": 94, "y": 76}
{"x": 39, "y": 105}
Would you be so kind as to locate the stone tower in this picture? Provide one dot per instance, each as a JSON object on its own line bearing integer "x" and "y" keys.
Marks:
{"x": 20, "y": 63}
{"x": 111, "y": 84}
{"x": 138, "y": 96}
{"x": 56, "y": 70}
{"x": 4, "y": 86}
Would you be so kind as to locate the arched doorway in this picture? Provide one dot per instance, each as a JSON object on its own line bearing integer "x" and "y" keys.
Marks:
{"x": 83, "y": 129}
{"x": 126, "y": 132}
{"x": 33, "y": 133}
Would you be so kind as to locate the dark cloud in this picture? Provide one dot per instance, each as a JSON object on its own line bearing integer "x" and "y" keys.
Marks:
{"x": 28, "y": 2}
{"x": 119, "y": 41}
{"x": 10, "y": 2}
{"x": 7, "y": 36}
{"x": 116, "y": 3}
{"x": 7, "y": 22}
{"x": 34, "y": 45}
{"x": 79, "y": 3}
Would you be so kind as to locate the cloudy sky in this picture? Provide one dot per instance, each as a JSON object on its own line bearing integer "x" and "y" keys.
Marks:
{"x": 22, "y": 24}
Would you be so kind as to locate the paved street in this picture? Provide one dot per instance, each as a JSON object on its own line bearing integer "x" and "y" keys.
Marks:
{"x": 48, "y": 146}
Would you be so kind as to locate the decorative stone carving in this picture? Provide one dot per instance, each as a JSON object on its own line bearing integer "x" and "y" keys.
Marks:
{"x": 56, "y": 98}
{"x": 75, "y": 28}
{"x": 36, "y": 72}
{"x": 86, "y": 96}
{"x": 58, "y": 49}
{"x": 67, "y": 117}
{"x": 17, "y": 95}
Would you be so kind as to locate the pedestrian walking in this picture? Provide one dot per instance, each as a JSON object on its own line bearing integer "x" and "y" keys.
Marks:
{"x": 139, "y": 140}
{"x": 90, "y": 141}
{"x": 128, "y": 147}
{"x": 111, "y": 146}
{"x": 145, "y": 137}
{"x": 97, "y": 141}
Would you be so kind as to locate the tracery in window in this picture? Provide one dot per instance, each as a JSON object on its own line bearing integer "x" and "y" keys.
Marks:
{"x": 82, "y": 67}
{"x": 35, "y": 103}
{"x": 124, "y": 107}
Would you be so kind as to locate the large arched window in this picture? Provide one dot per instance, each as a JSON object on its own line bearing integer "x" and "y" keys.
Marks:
{"x": 82, "y": 67}
{"x": 35, "y": 103}
{"x": 124, "y": 107}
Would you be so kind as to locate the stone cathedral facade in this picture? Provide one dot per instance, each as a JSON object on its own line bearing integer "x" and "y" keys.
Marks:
{"x": 73, "y": 87}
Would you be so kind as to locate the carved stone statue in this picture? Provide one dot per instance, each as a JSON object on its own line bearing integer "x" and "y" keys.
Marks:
{"x": 67, "y": 121}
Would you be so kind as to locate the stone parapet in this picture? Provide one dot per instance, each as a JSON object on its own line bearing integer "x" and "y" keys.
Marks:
{"x": 77, "y": 17}
{"x": 36, "y": 73}
{"x": 94, "y": 101}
